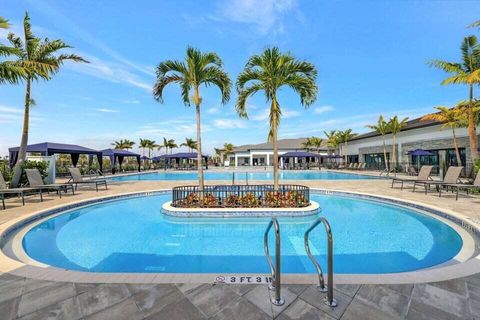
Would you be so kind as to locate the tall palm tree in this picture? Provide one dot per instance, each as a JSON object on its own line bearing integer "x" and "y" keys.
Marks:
{"x": 144, "y": 143}
{"x": 228, "y": 150}
{"x": 475, "y": 24}
{"x": 449, "y": 117}
{"x": 199, "y": 68}
{"x": 268, "y": 72}
{"x": 39, "y": 59}
{"x": 382, "y": 128}
{"x": 344, "y": 137}
{"x": 190, "y": 144}
{"x": 395, "y": 126}
{"x": 331, "y": 140}
{"x": 316, "y": 143}
{"x": 307, "y": 144}
{"x": 168, "y": 144}
{"x": 152, "y": 144}
{"x": 466, "y": 72}
{"x": 10, "y": 71}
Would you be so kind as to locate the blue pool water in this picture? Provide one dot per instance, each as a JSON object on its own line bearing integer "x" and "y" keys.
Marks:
{"x": 132, "y": 235}
{"x": 242, "y": 176}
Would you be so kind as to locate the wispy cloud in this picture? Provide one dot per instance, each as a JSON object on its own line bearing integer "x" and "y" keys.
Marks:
{"x": 264, "y": 16}
{"x": 213, "y": 110}
{"x": 106, "y": 110}
{"x": 132, "y": 101}
{"x": 110, "y": 71}
{"x": 286, "y": 114}
{"x": 357, "y": 123}
{"x": 323, "y": 109}
{"x": 7, "y": 109}
{"x": 229, "y": 123}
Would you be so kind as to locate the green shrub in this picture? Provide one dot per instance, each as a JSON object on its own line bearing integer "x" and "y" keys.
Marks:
{"x": 42, "y": 167}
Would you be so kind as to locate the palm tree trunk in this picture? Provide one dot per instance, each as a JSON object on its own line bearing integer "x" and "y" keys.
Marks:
{"x": 199, "y": 141}
{"x": 385, "y": 155}
{"x": 394, "y": 152}
{"x": 457, "y": 152}
{"x": 22, "y": 153}
{"x": 471, "y": 128}
{"x": 346, "y": 153}
{"x": 275, "y": 146}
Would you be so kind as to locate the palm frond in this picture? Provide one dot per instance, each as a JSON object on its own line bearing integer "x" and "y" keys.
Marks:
{"x": 4, "y": 23}
{"x": 213, "y": 75}
{"x": 243, "y": 94}
{"x": 162, "y": 82}
{"x": 450, "y": 67}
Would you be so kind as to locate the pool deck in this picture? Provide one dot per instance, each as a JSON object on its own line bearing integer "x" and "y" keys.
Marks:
{"x": 26, "y": 298}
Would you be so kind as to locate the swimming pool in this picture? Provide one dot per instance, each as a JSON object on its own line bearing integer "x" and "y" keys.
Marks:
{"x": 132, "y": 235}
{"x": 242, "y": 176}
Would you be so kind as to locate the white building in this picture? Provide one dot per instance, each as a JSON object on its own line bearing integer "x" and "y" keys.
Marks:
{"x": 426, "y": 135}
{"x": 262, "y": 154}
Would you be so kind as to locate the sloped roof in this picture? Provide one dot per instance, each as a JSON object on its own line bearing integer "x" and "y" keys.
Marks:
{"x": 288, "y": 144}
{"x": 412, "y": 124}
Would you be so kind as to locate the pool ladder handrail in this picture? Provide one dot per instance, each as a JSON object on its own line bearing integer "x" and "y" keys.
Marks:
{"x": 329, "y": 300}
{"x": 274, "y": 270}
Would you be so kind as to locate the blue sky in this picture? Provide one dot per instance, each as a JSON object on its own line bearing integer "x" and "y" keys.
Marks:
{"x": 371, "y": 58}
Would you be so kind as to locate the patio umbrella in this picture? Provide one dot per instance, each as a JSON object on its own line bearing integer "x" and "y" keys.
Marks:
{"x": 145, "y": 158}
{"x": 418, "y": 153}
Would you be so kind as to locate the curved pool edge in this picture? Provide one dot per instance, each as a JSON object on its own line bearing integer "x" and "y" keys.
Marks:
{"x": 449, "y": 270}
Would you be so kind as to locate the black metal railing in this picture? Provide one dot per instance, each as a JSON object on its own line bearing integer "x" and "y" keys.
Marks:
{"x": 240, "y": 196}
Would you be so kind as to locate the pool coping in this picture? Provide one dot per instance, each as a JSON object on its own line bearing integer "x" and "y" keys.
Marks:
{"x": 445, "y": 271}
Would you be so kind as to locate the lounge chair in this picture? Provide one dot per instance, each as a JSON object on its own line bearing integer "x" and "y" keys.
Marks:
{"x": 423, "y": 175}
{"x": 362, "y": 166}
{"x": 354, "y": 166}
{"x": 77, "y": 179}
{"x": 461, "y": 186}
{"x": 451, "y": 177}
{"x": 35, "y": 181}
{"x": 20, "y": 192}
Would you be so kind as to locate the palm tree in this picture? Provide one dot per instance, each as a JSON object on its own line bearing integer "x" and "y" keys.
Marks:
{"x": 268, "y": 72}
{"x": 395, "y": 126}
{"x": 218, "y": 155}
{"x": 449, "y": 117}
{"x": 307, "y": 144}
{"x": 199, "y": 68}
{"x": 331, "y": 140}
{"x": 228, "y": 150}
{"x": 38, "y": 58}
{"x": 144, "y": 143}
{"x": 466, "y": 72}
{"x": 168, "y": 144}
{"x": 151, "y": 145}
{"x": 316, "y": 143}
{"x": 382, "y": 128}
{"x": 10, "y": 71}
{"x": 475, "y": 24}
{"x": 123, "y": 144}
{"x": 344, "y": 137}
{"x": 190, "y": 144}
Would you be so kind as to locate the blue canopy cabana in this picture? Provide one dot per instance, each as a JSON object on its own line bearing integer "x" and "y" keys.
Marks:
{"x": 118, "y": 155}
{"x": 51, "y": 148}
{"x": 181, "y": 156}
{"x": 420, "y": 152}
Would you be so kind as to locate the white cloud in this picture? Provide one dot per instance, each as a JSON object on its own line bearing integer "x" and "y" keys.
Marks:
{"x": 229, "y": 123}
{"x": 132, "y": 101}
{"x": 264, "y": 115}
{"x": 323, "y": 109}
{"x": 213, "y": 110}
{"x": 263, "y": 15}
{"x": 106, "y": 110}
{"x": 7, "y": 109}
{"x": 110, "y": 71}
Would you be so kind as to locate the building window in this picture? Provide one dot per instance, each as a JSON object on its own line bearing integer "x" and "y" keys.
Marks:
{"x": 352, "y": 158}
{"x": 376, "y": 161}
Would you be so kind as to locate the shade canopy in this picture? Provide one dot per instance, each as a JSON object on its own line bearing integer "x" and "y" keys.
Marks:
{"x": 181, "y": 155}
{"x": 420, "y": 152}
{"x": 119, "y": 154}
{"x": 51, "y": 148}
{"x": 299, "y": 154}
{"x": 145, "y": 158}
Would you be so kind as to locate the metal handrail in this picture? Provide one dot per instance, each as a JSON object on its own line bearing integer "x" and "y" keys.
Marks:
{"x": 329, "y": 300}
{"x": 275, "y": 271}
